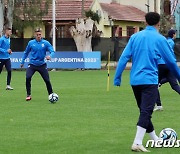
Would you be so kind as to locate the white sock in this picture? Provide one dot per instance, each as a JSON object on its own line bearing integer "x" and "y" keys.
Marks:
{"x": 139, "y": 135}
{"x": 153, "y": 135}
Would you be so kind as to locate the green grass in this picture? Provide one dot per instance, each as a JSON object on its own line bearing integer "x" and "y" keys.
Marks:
{"x": 86, "y": 120}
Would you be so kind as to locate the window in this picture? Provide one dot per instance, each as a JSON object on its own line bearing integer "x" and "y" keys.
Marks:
{"x": 116, "y": 31}
{"x": 60, "y": 31}
{"x": 130, "y": 30}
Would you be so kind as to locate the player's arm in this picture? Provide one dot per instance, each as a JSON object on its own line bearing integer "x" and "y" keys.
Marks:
{"x": 51, "y": 50}
{"x": 26, "y": 52}
{"x": 1, "y": 49}
{"x": 171, "y": 43}
{"x": 166, "y": 53}
{"x": 126, "y": 55}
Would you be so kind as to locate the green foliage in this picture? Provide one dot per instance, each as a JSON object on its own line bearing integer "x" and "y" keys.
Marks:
{"x": 165, "y": 24}
{"x": 93, "y": 15}
{"x": 29, "y": 13}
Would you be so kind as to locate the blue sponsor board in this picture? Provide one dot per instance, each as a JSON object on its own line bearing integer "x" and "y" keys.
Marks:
{"x": 64, "y": 60}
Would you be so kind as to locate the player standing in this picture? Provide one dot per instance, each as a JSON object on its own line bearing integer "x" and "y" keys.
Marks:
{"x": 5, "y": 52}
{"x": 145, "y": 48}
{"x": 165, "y": 75}
{"x": 37, "y": 49}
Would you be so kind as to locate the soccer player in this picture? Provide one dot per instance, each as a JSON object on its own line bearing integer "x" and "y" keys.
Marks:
{"x": 145, "y": 48}
{"x": 5, "y": 52}
{"x": 165, "y": 75}
{"x": 37, "y": 49}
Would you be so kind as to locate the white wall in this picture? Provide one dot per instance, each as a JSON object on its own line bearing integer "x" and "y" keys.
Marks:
{"x": 140, "y": 4}
{"x": 105, "y": 1}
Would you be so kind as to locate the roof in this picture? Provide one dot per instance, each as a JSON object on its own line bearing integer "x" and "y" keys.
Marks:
{"x": 68, "y": 10}
{"x": 123, "y": 12}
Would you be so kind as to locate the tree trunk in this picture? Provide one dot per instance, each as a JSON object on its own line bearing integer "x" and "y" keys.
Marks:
{"x": 6, "y": 14}
{"x": 165, "y": 21}
{"x": 10, "y": 9}
{"x": 1, "y": 16}
{"x": 89, "y": 28}
{"x": 82, "y": 34}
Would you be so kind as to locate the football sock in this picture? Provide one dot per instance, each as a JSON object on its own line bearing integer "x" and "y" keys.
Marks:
{"x": 139, "y": 135}
{"x": 153, "y": 135}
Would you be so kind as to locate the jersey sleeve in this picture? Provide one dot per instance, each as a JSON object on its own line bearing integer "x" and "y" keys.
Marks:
{"x": 50, "y": 49}
{"x": 1, "y": 49}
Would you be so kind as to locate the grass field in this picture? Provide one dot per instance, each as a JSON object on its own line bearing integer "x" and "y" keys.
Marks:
{"x": 86, "y": 120}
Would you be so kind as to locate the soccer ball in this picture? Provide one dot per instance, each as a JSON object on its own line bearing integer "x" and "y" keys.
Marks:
{"x": 53, "y": 98}
{"x": 168, "y": 134}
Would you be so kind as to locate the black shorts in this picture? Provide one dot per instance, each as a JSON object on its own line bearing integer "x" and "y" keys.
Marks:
{"x": 6, "y": 63}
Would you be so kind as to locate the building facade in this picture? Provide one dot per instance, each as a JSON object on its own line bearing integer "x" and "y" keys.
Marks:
{"x": 68, "y": 11}
{"x": 126, "y": 18}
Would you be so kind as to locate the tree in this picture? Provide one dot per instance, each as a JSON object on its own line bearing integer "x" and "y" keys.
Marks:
{"x": 6, "y": 14}
{"x": 1, "y": 16}
{"x": 166, "y": 18}
{"x": 22, "y": 13}
{"x": 82, "y": 34}
{"x": 84, "y": 31}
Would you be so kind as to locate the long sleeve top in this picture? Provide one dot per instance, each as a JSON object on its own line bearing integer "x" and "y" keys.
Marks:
{"x": 146, "y": 48}
{"x": 4, "y": 47}
{"x": 37, "y": 50}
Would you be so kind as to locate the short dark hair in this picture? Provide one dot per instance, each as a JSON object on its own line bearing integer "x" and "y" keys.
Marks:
{"x": 171, "y": 32}
{"x": 152, "y": 18}
{"x": 38, "y": 30}
{"x": 7, "y": 28}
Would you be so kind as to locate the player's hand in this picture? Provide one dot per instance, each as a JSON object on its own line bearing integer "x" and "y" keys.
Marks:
{"x": 117, "y": 82}
{"x": 9, "y": 51}
{"x": 22, "y": 65}
{"x": 48, "y": 58}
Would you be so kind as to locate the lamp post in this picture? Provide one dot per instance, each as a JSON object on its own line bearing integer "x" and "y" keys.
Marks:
{"x": 147, "y": 5}
{"x": 54, "y": 23}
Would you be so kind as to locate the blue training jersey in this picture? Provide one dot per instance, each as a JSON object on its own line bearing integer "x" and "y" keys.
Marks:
{"x": 4, "y": 47}
{"x": 171, "y": 43}
{"x": 145, "y": 48}
{"x": 37, "y": 50}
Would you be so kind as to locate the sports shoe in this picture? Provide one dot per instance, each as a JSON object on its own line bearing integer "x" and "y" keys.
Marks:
{"x": 158, "y": 108}
{"x": 139, "y": 148}
{"x": 8, "y": 87}
{"x": 28, "y": 98}
{"x": 159, "y": 85}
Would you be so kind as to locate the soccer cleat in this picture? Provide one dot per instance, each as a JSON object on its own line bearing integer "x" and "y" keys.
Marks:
{"x": 158, "y": 108}
{"x": 8, "y": 87}
{"x": 28, "y": 98}
{"x": 159, "y": 85}
{"x": 139, "y": 148}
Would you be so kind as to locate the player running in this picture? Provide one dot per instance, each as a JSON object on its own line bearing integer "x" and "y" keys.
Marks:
{"x": 145, "y": 48}
{"x": 165, "y": 75}
{"x": 37, "y": 49}
{"x": 5, "y": 52}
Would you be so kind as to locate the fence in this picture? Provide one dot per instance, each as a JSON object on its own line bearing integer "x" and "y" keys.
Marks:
{"x": 114, "y": 45}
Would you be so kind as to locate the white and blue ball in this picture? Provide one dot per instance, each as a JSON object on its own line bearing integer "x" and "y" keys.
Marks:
{"x": 53, "y": 98}
{"x": 168, "y": 134}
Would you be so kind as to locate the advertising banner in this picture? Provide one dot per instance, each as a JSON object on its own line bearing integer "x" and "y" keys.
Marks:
{"x": 64, "y": 60}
